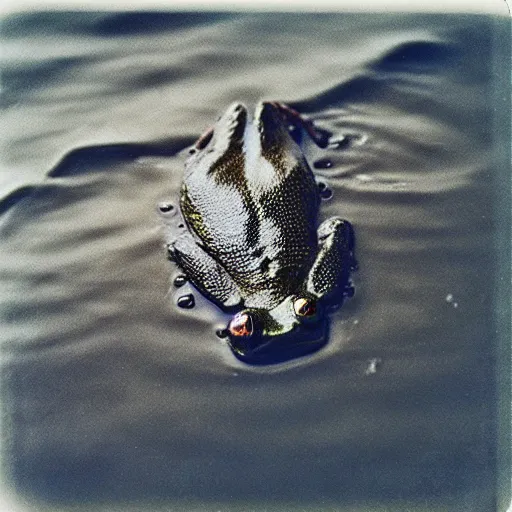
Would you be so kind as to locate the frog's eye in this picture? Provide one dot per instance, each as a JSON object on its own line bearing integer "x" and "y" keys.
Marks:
{"x": 304, "y": 307}
{"x": 241, "y": 325}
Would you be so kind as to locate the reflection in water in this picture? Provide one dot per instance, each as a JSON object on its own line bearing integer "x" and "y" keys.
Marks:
{"x": 114, "y": 395}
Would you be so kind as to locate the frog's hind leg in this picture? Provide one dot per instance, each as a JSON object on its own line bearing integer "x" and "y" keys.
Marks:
{"x": 330, "y": 274}
{"x": 319, "y": 137}
{"x": 203, "y": 271}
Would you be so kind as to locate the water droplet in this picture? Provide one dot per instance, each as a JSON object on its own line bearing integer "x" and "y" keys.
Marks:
{"x": 323, "y": 163}
{"x": 373, "y": 366}
{"x": 180, "y": 281}
{"x": 322, "y": 137}
{"x": 342, "y": 143}
{"x": 326, "y": 193}
{"x": 451, "y": 300}
{"x": 166, "y": 207}
{"x": 186, "y": 301}
{"x": 349, "y": 291}
{"x": 347, "y": 140}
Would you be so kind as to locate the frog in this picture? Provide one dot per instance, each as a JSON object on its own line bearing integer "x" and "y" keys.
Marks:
{"x": 252, "y": 243}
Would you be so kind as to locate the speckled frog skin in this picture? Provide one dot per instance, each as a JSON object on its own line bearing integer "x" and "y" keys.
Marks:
{"x": 252, "y": 244}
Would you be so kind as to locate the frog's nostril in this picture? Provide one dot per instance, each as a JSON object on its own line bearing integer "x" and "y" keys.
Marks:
{"x": 241, "y": 325}
{"x": 166, "y": 207}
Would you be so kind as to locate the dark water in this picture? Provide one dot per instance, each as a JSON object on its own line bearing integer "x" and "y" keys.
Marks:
{"x": 115, "y": 400}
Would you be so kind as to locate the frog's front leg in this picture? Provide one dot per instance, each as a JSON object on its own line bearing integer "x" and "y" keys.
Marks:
{"x": 330, "y": 273}
{"x": 203, "y": 271}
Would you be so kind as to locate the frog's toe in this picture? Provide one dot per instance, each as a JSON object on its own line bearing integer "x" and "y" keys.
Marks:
{"x": 338, "y": 228}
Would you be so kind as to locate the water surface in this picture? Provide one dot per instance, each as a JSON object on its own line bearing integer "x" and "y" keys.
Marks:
{"x": 115, "y": 399}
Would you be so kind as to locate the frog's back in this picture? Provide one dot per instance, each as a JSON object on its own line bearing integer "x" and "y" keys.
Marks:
{"x": 252, "y": 201}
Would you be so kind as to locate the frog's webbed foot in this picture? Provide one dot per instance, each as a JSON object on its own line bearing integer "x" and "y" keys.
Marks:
{"x": 330, "y": 273}
{"x": 203, "y": 271}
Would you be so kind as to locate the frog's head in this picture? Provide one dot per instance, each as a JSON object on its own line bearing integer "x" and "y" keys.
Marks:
{"x": 295, "y": 327}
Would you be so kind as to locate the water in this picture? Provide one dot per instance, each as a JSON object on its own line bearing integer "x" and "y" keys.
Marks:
{"x": 116, "y": 399}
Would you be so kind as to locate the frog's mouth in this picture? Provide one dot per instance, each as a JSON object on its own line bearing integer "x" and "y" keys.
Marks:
{"x": 255, "y": 338}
